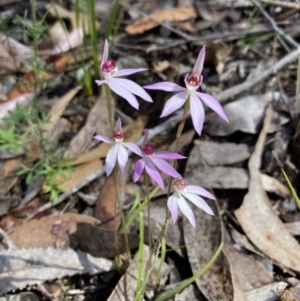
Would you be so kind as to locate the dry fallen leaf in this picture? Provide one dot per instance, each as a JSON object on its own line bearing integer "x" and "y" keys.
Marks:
{"x": 207, "y": 153}
{"x": 100, "y": 242}
{"x": 19, "y": 268}
{"x": 250, "y": 272}
{"x": 43, "y": 232}
{"x": 58, "y": 109}
{"x": 169, "y": 14}
{"x": 97, "y": 122}
{"x": 254, "y": 106}
{"x": 84, "y": 19}
{"x": 260, "y": 223}
{"x": 214, "y": 153}
{"x": 8, "y": 177}
{"x": 269, "y": 292}
{"x": 107, "y": 204}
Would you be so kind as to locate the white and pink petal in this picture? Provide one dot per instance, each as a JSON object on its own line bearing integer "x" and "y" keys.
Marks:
{"x": 122, "y": 157}
{"x": 173, "y": 207}
{"x": 174, "y": 103}
{"x": 199, "y": 191}
{"x": 186, "y": 211}
{"x": 124, "y": 72}
{"x": 212, "y": 103}
{"x": 133, "y": 88}
{"x": 197, "y": 113}
{"x": 123, "y": 93}
{"x": 103, "y": 139}
{"x": 165, "y": 86}
{"x": 111, "y": 159}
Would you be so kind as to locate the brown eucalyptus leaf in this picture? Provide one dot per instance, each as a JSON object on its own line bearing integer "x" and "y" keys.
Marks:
{"x": 250, "y": 273}
{"x": 83, "y": 21}
{"x": 269, "y": 292}
{"x": 100, "y": 242}
{"x": 19, "y": 268}
{"x": 58, "y": 109}
{"x": 48, "y": 231}
{"x": 219, "y": 177}
{"x": 97, "y": 122}
{"x": 226, "y": 177}
{"x": 107, "y": 205}
{"x": 260, "y": 223}
{"x": 8, "y": 177}
{"x": 214, "y": 153}
{"x": 168, "y": 14}
{"x": 254, "y": 106}
{"x": 74, "y": 178}
{"x": 201, "y": 244}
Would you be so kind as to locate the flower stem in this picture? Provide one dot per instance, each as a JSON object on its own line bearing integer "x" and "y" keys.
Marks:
{"x": 118, "y": 209}
{"x": 165, "y": 226}
{"x": 149, "y": 208}
{"x": 109, "y": 110}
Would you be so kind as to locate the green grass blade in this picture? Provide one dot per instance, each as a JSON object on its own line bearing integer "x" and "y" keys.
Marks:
{"x": 192, "y": 279}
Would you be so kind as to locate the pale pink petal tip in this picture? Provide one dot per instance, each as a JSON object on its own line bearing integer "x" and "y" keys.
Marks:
{"x": 119, "y": 125}
{"x": 146, "y": 134}
{"x": 165, "y": 86}
{"x": 105, "y": 53}
{"x": 200, "y": 61}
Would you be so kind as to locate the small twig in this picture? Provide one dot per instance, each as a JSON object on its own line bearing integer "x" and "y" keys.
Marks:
{"x": 282, "y": 3}
{"x": 290, "y": 57}
{"x": 281, "y": 33}
{"x": 9, "y": 242}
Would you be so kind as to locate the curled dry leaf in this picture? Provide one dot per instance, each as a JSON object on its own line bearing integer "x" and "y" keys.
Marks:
{"x": 169, "y": 14}
{"x": 260, "y": 223}
{"x": 19, "y": 268}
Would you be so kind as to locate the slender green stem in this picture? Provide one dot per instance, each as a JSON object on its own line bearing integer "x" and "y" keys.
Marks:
{"x": 109, "y": 110}
{"x": 118, "y": 207}
{"x": 149, "y": 209}
{"x": 94, "y": 37}
{"x": 189, "y": 281}
{"x": 165, "y": 226}
{"x": 119, "y": 19}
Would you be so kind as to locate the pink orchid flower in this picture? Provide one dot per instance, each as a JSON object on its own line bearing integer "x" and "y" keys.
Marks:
{"x": 118, "y": 152}
{"x": 192, "y": 83}
{"x": 190, "y": 192}
{"x": 123, "y": 87}
{"x": 152, "y": 160}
